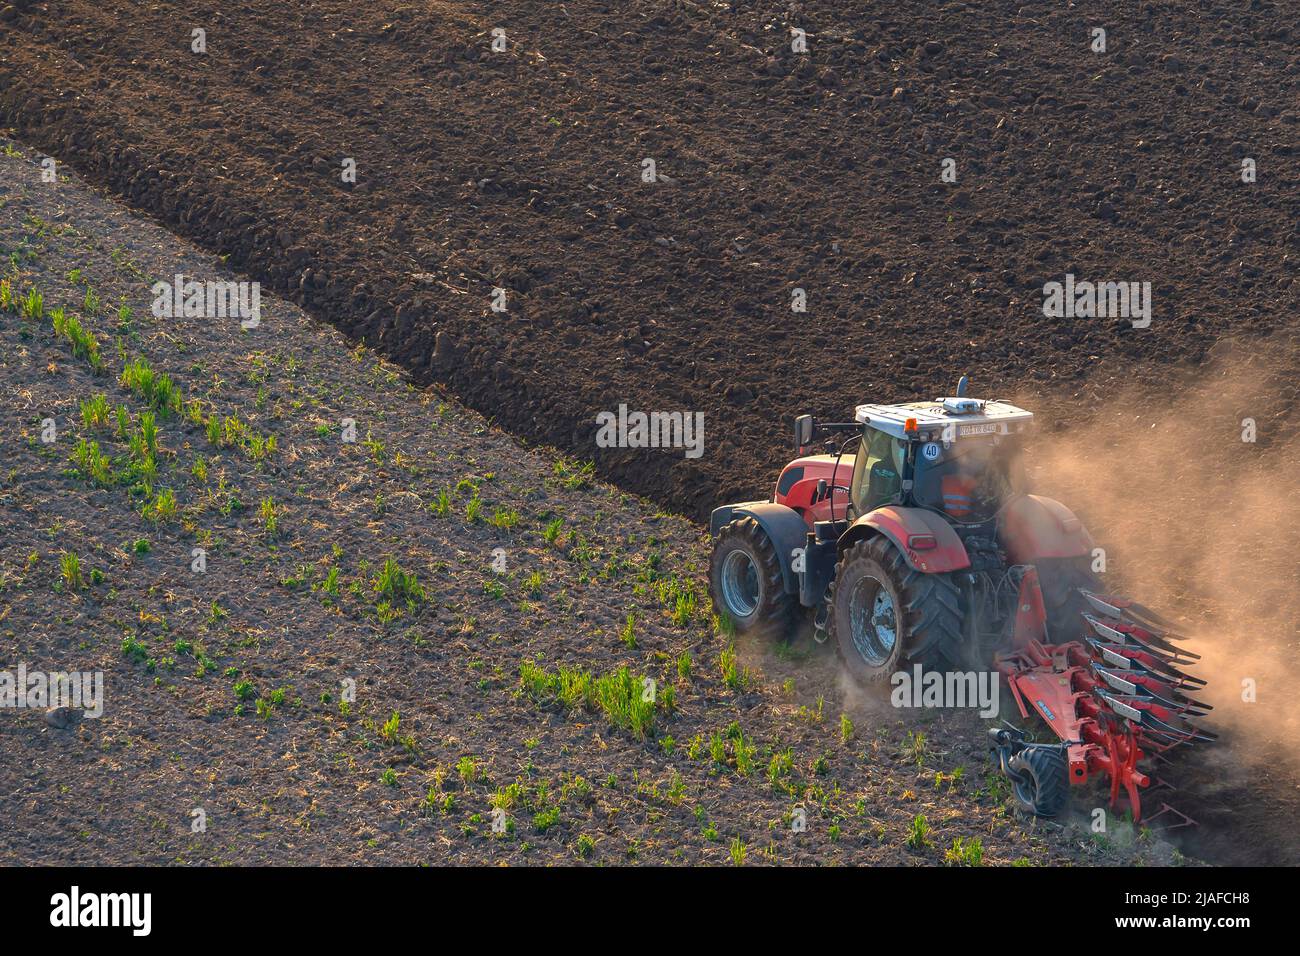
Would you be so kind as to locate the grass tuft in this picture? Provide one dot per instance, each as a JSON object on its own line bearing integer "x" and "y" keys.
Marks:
{"x": 624, "y": 699}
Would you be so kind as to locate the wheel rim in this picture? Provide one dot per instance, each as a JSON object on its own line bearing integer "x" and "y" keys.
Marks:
{"x": 1026, "y": 789}
{"x": 740, "y": 584}
{"x": 873, "y": 621}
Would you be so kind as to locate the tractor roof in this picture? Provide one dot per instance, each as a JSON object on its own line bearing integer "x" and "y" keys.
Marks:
{"x": 969, "y": 416}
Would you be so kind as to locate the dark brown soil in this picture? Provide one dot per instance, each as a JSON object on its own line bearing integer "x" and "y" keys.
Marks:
{"x": 521, "y": 170}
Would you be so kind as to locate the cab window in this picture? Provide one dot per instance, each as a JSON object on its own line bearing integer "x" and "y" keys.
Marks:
{"x": 877, "y": 471}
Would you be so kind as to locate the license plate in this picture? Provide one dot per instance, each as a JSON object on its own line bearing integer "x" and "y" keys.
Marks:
{"x": 989, "y": 428}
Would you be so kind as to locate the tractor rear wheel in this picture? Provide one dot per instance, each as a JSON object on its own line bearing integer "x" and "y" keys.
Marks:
{"x": 1040, "y": 780}
{"x": 1062, "y": 581}
{"x": 745, "y": 579}
{"x": 883, "y": 612}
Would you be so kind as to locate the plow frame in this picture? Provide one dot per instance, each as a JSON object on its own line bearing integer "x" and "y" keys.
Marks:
{"x": 1043, "y": 679}
{"x": 1103, "y": 729}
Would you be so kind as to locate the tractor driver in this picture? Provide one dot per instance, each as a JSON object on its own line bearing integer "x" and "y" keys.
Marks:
{"x": 981, "y": 477}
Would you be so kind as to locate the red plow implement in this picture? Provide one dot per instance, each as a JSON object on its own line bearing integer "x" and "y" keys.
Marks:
{"x": 1115, "y": 696}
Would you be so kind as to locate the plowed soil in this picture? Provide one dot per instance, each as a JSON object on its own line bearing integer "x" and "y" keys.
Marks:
{"x": 522, "y": 170}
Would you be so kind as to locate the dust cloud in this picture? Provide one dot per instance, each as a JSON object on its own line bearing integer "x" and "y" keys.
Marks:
{"x": 1195, "y": 500}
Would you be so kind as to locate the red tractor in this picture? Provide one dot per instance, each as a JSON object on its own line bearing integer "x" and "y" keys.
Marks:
{"x": 912, "y": 539}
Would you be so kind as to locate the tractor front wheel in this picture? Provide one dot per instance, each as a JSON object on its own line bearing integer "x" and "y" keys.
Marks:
{"x": 883, "y": 612}
{"x": 745, "y": 579}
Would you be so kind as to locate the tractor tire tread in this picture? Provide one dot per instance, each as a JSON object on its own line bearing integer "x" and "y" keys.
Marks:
{"x": 776, "y": 604}
{"x": 931, "y": 606}
{"x": 1042, "y": 782}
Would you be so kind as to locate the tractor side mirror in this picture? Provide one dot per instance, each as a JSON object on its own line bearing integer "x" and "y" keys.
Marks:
{"x": 821, "y": 488}
{"x": 803, "y": 432}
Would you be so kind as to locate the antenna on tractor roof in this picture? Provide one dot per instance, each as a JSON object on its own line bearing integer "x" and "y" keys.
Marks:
{"x": 961, "y": 386}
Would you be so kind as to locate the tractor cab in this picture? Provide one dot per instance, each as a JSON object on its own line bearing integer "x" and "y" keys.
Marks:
{"x": 958, "y": 456}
